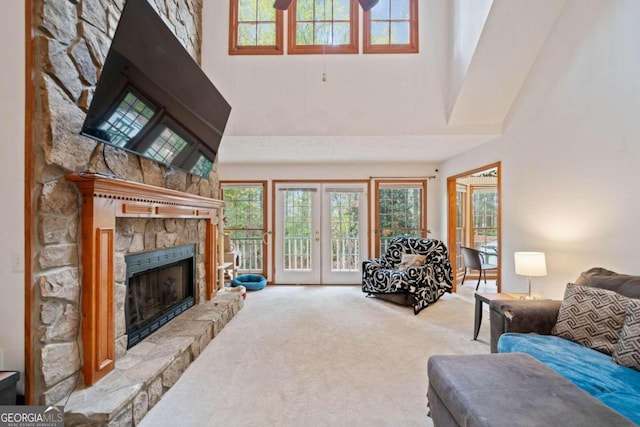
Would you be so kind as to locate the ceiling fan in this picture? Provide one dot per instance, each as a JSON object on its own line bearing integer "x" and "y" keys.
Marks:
{"x": 366, "y": 4}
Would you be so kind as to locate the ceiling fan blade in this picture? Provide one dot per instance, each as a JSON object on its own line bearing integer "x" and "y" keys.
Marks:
{"x": 282, "y": 4}
{"x": 367, "y": 5}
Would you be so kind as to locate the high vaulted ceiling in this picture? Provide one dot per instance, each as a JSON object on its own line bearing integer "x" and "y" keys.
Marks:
{"x": 454, "y": 95}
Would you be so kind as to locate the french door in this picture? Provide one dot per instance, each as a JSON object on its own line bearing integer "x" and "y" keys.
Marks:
{"x": 321, "y": 233}
{"x": 474, "y": 217}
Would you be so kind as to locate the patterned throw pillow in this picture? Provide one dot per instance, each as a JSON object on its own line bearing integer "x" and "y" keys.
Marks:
{"x": 591, "y": 316}
{"x": 411, "y": 260}
{"x": 627, "y": 350}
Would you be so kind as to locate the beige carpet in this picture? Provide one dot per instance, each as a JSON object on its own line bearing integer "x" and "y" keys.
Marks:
{"x": 319, "y": 356}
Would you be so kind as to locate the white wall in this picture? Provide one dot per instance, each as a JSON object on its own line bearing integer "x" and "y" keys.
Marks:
{"x": 468, "y": 19}
{"x": 571, "y": 150}
{"x": 285, "y": 95}
{"x": 12, "y": 104}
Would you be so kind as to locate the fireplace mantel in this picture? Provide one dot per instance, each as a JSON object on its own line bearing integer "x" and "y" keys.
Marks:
{"x": 103, "y": 200}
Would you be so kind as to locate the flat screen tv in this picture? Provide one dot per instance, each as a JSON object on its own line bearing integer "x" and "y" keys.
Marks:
{"x": 153, "y": 99}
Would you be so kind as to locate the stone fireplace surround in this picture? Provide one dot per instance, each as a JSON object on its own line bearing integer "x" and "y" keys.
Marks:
{"x": 70, "y": 40}
{"x": 140, "y": 378}
{"x": 121, "y": 217}
{"x": 69, "y": 43}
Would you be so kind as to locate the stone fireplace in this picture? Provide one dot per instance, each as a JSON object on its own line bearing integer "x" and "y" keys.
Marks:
{"x": 111, "y": 211}
{"x": 148, "y": 286}
{"x": 84, "y": 226}
{"x": 70, "y": 43}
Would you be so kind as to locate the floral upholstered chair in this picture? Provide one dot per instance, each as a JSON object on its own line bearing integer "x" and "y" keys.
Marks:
{"x": 414, "y": 266}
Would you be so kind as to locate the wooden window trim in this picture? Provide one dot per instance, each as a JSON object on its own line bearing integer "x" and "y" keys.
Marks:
{"x": 451, "y": 219}
{"x": 266, "y": 229}
{"x": 294, "y": 49}
{"x": 234, "y": 49}
{"x": 412, "y": 47}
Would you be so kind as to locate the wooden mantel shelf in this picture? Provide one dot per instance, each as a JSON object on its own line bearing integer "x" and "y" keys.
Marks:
{"x": 142, "y": 200}
{"x": 103, "y": 200}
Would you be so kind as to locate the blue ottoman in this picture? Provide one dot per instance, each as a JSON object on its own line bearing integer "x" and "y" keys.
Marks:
{"x": 253, "y": 282}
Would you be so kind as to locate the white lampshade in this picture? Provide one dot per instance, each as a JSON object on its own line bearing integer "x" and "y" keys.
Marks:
{"x": 530, "y": 264}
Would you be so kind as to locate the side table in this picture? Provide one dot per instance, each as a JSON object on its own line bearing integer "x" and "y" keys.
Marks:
{"x": 486, "y": 297}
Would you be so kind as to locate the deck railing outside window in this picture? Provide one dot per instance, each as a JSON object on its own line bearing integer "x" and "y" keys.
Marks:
{"x": 250, "y": 249}
{"x": 345, "y": 254}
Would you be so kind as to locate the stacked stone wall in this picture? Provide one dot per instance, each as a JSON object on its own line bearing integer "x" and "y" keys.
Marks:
{"x": 72, "y": 39}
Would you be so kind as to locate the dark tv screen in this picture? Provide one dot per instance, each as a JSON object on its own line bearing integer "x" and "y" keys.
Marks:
{"x": 153, "y": 99}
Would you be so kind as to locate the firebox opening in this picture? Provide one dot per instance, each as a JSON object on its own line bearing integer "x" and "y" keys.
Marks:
{"x": 160, "y": 286}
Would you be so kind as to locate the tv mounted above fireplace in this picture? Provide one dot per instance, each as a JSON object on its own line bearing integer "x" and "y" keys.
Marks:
{"x": 153, "y": 99}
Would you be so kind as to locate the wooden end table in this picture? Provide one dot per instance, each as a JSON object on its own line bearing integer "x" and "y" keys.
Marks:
{"x": 487, "y": 297}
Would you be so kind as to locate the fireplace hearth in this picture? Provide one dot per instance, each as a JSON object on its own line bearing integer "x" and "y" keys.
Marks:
{"x": 160, "y": 286}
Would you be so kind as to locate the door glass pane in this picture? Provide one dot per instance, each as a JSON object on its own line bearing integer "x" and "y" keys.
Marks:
{"x": 485, "y": 221}
{"x": 461, "y": 192}
{"x": 297, "y": 219}
{"x": 345, "y": 236}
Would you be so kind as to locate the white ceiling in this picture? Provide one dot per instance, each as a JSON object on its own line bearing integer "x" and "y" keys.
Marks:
{"x": 344, "y": 149}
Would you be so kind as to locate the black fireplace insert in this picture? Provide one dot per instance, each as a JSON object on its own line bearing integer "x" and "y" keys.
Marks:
{"x": 160, "y": 286}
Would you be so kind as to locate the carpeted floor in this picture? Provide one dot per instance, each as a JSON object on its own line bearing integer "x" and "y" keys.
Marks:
{"x": 319, "y": 356}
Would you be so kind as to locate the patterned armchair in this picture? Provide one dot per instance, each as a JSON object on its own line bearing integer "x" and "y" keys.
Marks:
{"x": 424, "y": 283}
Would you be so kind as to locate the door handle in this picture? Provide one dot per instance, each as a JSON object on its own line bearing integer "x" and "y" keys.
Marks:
{"x": 265, "y": 236}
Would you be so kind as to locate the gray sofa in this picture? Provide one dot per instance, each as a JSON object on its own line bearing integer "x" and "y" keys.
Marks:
{"x": 539, "y": 316}
{"x": 578, "y": 338}
{"x": 510, "y": 390}
{"x": 543, "y": 379}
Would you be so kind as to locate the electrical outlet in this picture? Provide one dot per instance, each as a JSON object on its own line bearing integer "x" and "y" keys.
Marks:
{"x": 17, "y": 262}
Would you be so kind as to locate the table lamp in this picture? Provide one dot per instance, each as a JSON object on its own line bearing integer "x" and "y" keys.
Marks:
{"x": 530, "y": 264}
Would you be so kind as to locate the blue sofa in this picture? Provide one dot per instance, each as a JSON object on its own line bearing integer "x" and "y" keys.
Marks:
{"x": 525, "y": 327}
{"x": 616, "y": 386}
